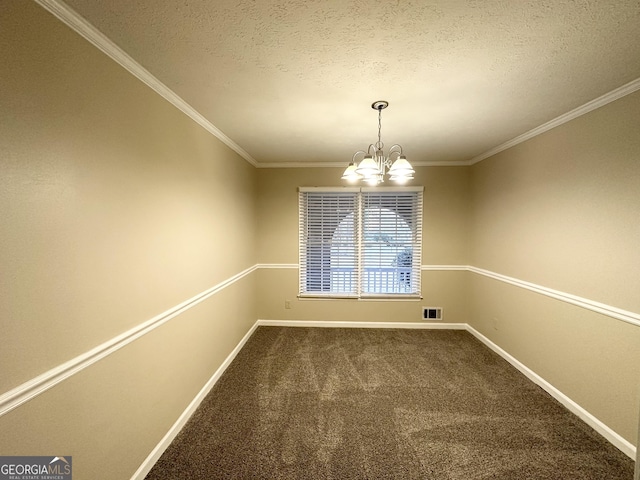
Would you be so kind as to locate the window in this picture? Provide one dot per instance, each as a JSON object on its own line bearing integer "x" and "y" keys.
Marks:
{"x": 362, "y": 242}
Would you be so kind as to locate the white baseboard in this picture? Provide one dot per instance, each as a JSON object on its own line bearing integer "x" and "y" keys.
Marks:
{"x": 623, "y": 445}
{"x": 157, "y": 452}
{"x": 323, "y": 324}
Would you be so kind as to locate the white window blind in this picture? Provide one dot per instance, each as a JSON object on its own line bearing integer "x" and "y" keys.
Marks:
{"x": 360, "y": 242}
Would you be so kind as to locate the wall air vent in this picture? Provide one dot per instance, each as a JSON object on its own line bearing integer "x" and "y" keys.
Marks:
{"x": 431, "y": 313}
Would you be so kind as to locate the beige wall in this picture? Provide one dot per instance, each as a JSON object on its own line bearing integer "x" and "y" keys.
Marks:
{"x": 562, "y": 211}
{"x": 111, "y": 212}
{"x": 445, "y": 242}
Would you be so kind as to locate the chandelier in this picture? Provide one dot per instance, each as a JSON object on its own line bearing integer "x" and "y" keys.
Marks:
{"x": 373, "y": 167}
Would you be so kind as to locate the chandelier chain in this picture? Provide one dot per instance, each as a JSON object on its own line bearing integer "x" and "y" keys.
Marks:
{"x": 380, "y": 144}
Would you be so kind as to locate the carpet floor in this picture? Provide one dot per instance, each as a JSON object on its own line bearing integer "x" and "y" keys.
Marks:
{"x": 325, "y": 403}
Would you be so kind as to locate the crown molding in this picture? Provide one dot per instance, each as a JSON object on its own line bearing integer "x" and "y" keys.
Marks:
{"x": 612, "y": 96}
{"x": 440, "y": 164}
{"x": 82, "y": 27}
{"x": 302, "y": 164}
{"x": 601, "y": 101}
{"x": 344, "y": 164}
{"x": 77, "y": 23}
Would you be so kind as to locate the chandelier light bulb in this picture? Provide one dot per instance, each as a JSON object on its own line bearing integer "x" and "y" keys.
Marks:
{"x": 350, "y": 174}
{"x": 368, "y": 167}
{"x": 401, "y": 167}
{"x": 373, "y": 180}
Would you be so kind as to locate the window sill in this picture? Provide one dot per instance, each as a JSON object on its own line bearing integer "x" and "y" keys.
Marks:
{"x": 364, "y": 298}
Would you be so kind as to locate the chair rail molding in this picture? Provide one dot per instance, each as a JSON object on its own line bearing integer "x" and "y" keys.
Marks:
{"x": 40, "y": 384}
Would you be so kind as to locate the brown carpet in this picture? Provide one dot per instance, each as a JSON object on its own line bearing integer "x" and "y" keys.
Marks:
{"x": 306, "y": 403}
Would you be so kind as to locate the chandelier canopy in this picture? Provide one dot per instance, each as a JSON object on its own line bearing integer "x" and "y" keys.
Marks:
{"x": 373, "y": 167}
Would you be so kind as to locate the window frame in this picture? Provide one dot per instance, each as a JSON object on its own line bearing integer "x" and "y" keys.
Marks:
{"x": 359, "y": 193}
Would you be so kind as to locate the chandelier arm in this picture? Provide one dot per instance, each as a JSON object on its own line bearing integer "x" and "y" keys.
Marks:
{"x": 353, "y": 159}
{"x": 389, "y": 156}
{"x": 391, "y": 150}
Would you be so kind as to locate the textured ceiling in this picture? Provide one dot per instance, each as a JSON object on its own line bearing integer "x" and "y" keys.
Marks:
{"x": 293, "y": 80}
